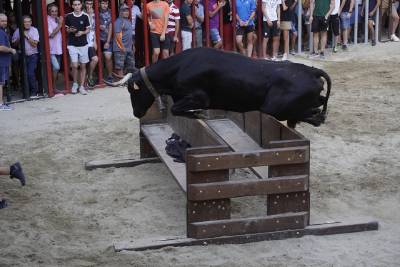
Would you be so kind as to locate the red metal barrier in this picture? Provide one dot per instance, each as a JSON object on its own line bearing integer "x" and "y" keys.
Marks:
{"x": 207, "y": 23}
{"x": 145, "y": 34}
{"x": 46, "y": 44}
{"x": 234, "y": 24}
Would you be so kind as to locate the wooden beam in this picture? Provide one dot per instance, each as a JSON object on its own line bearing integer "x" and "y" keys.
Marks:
{"x": 252, "y": 225}
{"x": 232, "y": 160}
{"x": 320, "y": 229}
{"x": 231, "y": 189}
{"x": 118, "y": 163}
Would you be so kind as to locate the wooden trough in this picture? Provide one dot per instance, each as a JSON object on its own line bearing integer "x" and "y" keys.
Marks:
{"x": 279, "y": 156}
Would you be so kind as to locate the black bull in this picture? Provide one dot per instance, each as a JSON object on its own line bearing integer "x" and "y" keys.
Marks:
{"x": 203, "y": 78}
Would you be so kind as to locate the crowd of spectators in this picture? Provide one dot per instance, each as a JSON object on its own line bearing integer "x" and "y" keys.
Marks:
{"x": 170, "y": 25}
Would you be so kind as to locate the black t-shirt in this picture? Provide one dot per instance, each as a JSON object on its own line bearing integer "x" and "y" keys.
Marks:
{"x": 346, "y": 7}
{"x": 81, "y": 23}
{"x": 185, "y": 11}
{"x": 288, "y": 13}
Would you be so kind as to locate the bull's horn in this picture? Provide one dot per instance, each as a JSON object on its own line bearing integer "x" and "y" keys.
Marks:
{"x": 120, "y": 82}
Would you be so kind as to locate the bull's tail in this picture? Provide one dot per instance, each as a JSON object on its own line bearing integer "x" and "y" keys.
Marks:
{"x": 328, "y": 90}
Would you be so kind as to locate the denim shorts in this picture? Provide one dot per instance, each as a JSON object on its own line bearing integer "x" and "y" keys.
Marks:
{"x": 215, "y": 37}
{"x": 345, "y": 20}
{"x": 55, "y": 62}
{"x": 4, "y": 73}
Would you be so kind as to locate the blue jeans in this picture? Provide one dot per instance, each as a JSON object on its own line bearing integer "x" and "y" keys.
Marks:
{"x": 31, "y": 64}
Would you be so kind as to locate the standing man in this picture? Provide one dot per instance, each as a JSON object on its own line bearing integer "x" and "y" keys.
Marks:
{"x": 122, "y": 46}
{"x": 186, "y": 24}
{"x": 246, "y": 11}
{"x": 78, "y": 26}
{"x": 320, "y": 10}
{"x": 173, "y": 26}
{"x": 372, "y": 8}
{"x": 271, "y": 26}
{"x": 54, "y": 24}
{"x": 92, "y": 44}
{"x": 198, "y": 22}
{"x": 158, "y": 13}
{"x": 5, "y": 58}
{"x": 105, "y": 37}
{"x": 31, "y": 39}
{"x": 345, "y": 11}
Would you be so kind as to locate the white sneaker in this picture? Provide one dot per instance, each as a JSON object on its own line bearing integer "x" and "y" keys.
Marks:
{"x": 394, "y": 38}
{"x": 82, "y": 90}
{"x": 274, "y": 59}
{"x": 284, "y": 57}
{"x": 74, "y": 88}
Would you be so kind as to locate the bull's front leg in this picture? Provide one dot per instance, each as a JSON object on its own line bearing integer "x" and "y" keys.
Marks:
{"x": 191, "y": 105}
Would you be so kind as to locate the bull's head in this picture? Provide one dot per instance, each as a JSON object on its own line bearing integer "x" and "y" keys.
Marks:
{"x": 141, "y": 97}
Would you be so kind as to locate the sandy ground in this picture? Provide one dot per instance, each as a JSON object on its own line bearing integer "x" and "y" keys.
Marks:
{"x": 67, "y": 216}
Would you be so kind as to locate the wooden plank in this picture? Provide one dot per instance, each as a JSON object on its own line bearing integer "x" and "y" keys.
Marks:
{"x": 154, "y": 115}
{"x": 289, "y": 202}
{"x": 231, "y": 189}
{"x": 118, "y": 163}
{"x": 270, "y": 130}
{"x": 249, "y": 225}
{"x": 156, "y": 134}
{"x": 320, "y": 229}
{"x": 288, "y": 143}
{"x": 146, "y": 151}
{"x": 207, "y": 210}
{"x": 237, "y": 118}
{"x": 236, "y": 139}
{"x": 231, "y": 160}
{"x": 252, "y": 125}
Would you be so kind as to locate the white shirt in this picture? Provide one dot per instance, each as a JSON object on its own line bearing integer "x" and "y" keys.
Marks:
{"x": 270, "y": 8}
{"x": 336, "y": 9}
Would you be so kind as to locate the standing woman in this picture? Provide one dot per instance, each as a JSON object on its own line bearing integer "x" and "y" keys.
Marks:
{"x": 287, "y": 13}
{"x": 31, "y": 39}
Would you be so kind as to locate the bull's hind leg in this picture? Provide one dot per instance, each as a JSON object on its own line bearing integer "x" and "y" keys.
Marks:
{"x": 190, "y": 105}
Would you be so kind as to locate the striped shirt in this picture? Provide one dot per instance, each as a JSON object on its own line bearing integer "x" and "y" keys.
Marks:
{"x": 173, "y": 15}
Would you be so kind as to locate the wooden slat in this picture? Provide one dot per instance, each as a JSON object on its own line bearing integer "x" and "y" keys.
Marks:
{"x": 249, "y": 225}
{"x": 231, "y": 160}
{"x": 237, "y": 118}
{"x": 237, "y": 140}
{"x": 217, "y": 209}
{"x": 320, "y": 229}
{"x": 252, "y": 125}
{"x": 288, "y": 143}
{"x": 270, "y": 130}
{"x": 231, "y": 189}
{"x": 118, "y": 163}
{"x": 156, "y": 134}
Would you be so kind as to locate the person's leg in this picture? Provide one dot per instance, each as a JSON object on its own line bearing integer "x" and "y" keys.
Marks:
{"x": 199, "y": 37}
{"x": 92, "y": 66}
{"x": 324, "y": 36}
{"x": 1, "y": 95}
{"x": 82, "y": 77}
{"x": 315, "y": 41}
{"x": 30, "y": 69}
{"x": 275, "y": 46}
{"x": 4, "y": 170}
{"x": 395, "y": 24}
{"x": 119, "y": 62}
{"x": 109, "y": 64}
{"x": 73, "y": 53}
{"x": 239, "y": 44}
{"x": 286, "y": 42}
{"x": 250, "y": 43}
{"x": 156, "y": 54}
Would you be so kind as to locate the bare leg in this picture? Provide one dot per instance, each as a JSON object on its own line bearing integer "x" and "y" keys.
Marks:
{"x": 156, "y": 54}
{"x": 239, "y": 44}
{"x": 1, "y": 94}
{"x": 316, "y": 41}
{"x": 165, "y": 53}
{"x": 250, "y": 43}
{"x": 275, "y": 46}
{"x": 83, "y": 74}
{"x": 286, "y": 41}
{"x": 109, "y": 66}
{"x": 264, "y": 47}
{"x": 92, "y": 65}
{"x": 324, "y": 36}
{"x": 75, "y": 72}
{"x": 395, "y": 21}
{"x": 218, "y": 45}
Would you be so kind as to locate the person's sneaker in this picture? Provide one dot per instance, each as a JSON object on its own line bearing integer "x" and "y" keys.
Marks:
{"x": 335, "y": 49}
{"x": 82, "y": 90}
{"x": 313, "y": 55}
{"x": 5, "y": 107}
{"x": 74, "y": 88}
{"x": 274, "y": 59}
{"x": 344, "y": 47}
{"x": 322, "y": 55}
{"x": 16, "y": 172}
{"x": 394, "y": 38}
{"x": 373, "y": 43}
{"x": 284, "y": 57}
{"x": 32, "y": 97}
{"x": 109, "y": 79}
{"x": 3, "y": 203}
{"x": 90, "y": 82}
{"x": 292, "y": 52}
